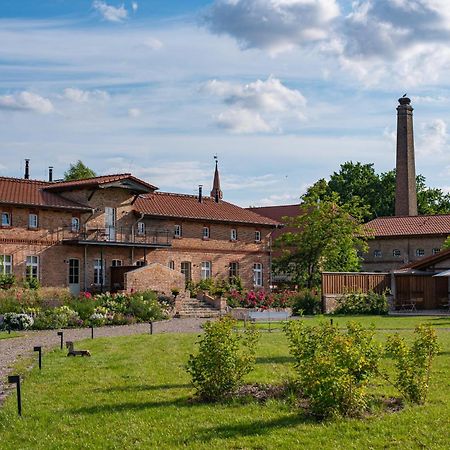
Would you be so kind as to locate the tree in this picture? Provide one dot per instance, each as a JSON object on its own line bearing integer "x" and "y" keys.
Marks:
{"x": 78, "y": 171}
{"x": 328, "y": 236}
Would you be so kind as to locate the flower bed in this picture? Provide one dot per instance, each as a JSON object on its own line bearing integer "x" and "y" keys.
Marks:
{"x": 40, "y": 309}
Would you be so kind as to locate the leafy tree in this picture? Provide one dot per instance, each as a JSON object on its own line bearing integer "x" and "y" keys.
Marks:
{"x": 327, "y": 236}
{"x": 78, "y": 171}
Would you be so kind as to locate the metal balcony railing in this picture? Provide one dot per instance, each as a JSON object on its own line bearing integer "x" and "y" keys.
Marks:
{"x": 116, "y": 235}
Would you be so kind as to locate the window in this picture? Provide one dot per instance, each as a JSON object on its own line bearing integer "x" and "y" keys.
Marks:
{"x": 141, "y": 228}
{"x": 177, "y": 231}
{"x": 140, "y": 263}
{"x": 172, "y": 265}
{"x": 233, "y": 234}
{"x": 32, "y": 267}
{"x": 396, "y": 252}
{"x": 206, "y": 270}
{"x": 205, "y": 234}
{"x": 75, "y": 225}
{"x": 377, "y": 254}
{"x": 233, "y": 271}
{"x": 257, "y": 236}
{"x": 257, "y": 274}
{"x": 5, "y": 264}
{"x": 6, "y": 219}
{"x": 74, "y": 271}
{"x": 420, "y": 252}
{"x": 32, "y": 220}
{"x": 116, "y": 263}
{"x": 99, "y": 276}
{"x": 435, "y": 251}
{"x": 186, "y": 270}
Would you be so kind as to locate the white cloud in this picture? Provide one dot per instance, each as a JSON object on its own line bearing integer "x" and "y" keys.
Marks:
{"x": 110, "y": 13}
{"x": 134, "y": 6}
{"x": 26, "y": 101}
{"x": 134, "y": 112}
{"x": 80, "y": 96}
{"x": 279, "y": 199}
{"x": 274, "y": 25}
{"x": 152, "y": 43}
{"x": 433, "y": 137}
{"x": 257, "y": 106}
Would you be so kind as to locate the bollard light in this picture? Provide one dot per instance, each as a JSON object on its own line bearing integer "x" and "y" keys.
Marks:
{"x": 61, "y": 334}
{"x": 38, "y": 349}
{"x": 15, "y": 379}
{"x": 151, "y": 327}
{"x": 92, "y": 331}
{"x": 331, "y": 322}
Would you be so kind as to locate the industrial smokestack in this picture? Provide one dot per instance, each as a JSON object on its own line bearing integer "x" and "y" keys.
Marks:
{"x": 50, "y": 173}
{"x": 200, "y": 193}
{"x": 27, "y": 169}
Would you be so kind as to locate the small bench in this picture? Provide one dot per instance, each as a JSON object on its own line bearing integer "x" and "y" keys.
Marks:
{"x": 268, "y": 317}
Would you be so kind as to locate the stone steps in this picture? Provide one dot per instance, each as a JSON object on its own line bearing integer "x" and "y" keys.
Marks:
{"x": 197, "y": 308}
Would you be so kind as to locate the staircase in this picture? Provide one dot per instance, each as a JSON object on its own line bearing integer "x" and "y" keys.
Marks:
{"x": 192, "y": 307}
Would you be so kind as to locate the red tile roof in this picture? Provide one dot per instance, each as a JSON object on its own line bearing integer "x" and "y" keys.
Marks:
{"x": 277, "y": 212}
{"x": 18, "y": 191}
{"x": 98, "y": 181}
{"x": 163, "y": 204}
{"x": 409, "y": 225}
{"x": 426, "y": 263}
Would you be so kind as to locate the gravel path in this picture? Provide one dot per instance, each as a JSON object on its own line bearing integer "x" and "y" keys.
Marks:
{"x": 11, "y": 350}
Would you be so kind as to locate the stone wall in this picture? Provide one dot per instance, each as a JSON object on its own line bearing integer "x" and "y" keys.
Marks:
{"x": 155, "y": 277}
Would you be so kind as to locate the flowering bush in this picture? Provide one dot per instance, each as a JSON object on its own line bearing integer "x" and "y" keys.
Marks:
{"x": 14, "y": 321}
{"x": 97, "y": 319}
{"x": 260, "y": 299}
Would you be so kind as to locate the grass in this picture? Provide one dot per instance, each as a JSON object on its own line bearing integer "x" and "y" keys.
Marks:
{"x": 6, "y": 335}
{"x": 134, "y": 393}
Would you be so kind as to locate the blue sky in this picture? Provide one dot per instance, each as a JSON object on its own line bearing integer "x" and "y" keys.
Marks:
{"x": 284, "y": 91}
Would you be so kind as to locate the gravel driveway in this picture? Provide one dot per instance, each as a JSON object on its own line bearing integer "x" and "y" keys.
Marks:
{"x": 13, "y": 349}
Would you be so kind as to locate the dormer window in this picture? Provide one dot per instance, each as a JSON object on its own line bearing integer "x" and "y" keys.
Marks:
{"x": 33, "y": 221}
{"x": 141, "y": 228}
{"x": 177, "y": 231}
{"x": 205, "y": 233}
{"x": 233, "y": 234}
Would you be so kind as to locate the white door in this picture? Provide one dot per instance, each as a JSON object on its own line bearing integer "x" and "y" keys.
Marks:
{"x": 110, "y": 223}
{"x": 74, "y": 276}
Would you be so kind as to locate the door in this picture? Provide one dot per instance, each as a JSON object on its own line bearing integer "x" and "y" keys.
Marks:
{"x": 74, "y": 276}
{"x": 110, "y": 223}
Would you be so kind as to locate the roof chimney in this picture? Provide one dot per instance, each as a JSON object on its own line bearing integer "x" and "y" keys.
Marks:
{"x": 405, "y": 191}
{"x": 200, "y": 190}
{"x": 50, "y": 173}
{"x": 27, "y": 169}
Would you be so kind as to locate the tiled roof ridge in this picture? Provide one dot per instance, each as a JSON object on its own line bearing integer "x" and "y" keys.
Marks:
{"x": 177, "y": 194}
{"x": 424, "y": 216}
{"x": 124, "y": 174}
{"x": 26, "y": 180}
{"x": 274, "y": 206}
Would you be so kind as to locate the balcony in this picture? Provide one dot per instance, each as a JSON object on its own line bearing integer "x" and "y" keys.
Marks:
{"x": 116, "y": 236}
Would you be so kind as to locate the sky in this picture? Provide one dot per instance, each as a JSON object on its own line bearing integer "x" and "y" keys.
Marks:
{"x": 282, "y": 91}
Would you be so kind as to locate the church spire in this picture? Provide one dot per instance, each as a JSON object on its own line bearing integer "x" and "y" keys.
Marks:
{"x": 216, "y": 192}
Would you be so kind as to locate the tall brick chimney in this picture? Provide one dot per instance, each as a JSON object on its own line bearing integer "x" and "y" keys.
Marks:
{"x": 405, "y": 191}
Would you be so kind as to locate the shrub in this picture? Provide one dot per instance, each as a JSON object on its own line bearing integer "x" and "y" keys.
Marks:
{"x": 413, "y": 363}
{"x": 360, "y": 303}
{"x": 333, "y": 368}
{"x": 7, "y": 280}
{"x": 144, "y": 310}
{"x": 17, "y": 322}
{"x": 54, "y": 318}
{"x": 306, "y": 302}
{"x": 31, "y": 283}
{"x": 84, "y": 306}
{"x": 224, "y": 358}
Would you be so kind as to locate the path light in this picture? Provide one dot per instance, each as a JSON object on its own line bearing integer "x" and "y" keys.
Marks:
{"x": 331, "y": 322}
{"x": 151, "y": 327}
{"x": 16, "y": 380}
{"x": 38, "y": 348}
{"x": 92, "y": 331}
{"x": 61, "y": 334}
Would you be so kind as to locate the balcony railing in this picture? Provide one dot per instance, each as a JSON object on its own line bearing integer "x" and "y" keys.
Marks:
{"x": 117, "y": 235}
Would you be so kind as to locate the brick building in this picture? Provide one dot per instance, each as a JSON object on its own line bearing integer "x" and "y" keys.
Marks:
{"x": 73, "y": 233}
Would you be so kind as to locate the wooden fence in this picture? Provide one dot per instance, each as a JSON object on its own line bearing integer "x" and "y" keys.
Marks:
{"x": 334, "y": 283}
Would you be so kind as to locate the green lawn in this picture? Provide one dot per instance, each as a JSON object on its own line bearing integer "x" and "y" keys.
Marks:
{"x": 6, "y": 335}
{"x": 134, "y": 393}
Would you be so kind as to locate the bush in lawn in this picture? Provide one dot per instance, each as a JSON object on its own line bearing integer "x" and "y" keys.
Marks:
{"x": 224, "y": 357}
{"x": 360, "y": 303}
{"x": 306, "y": 302}
{"x": 17, "y": 322}
{"x": 413, "y": 363}
{"x": 7, "y": 280}
{"x": 333, "y": 367}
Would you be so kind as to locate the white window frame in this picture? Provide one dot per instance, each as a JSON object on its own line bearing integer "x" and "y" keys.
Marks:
{"x": 230, "y": 270}
{"x": 435, "y": 251}
{"x": 177, "y": 231}
{"x": 141, "y": 228}
{"x": 257, "y": 236}
{"x": 32, "y": 261}
{"x": 206, "y": 270}
{"x": 396, "y": 253}
{"x": 116, "y": 263}
{"x": 75, "y": 224}
{"x": 33, "y": 220}
{"x": 6, "y": 264}
{"x": 186, "y": 270}
{"x": 377, "y": 253}
{"x": 420, "y": 252}
{"x": 99, "y": 272}
{"x": 257, "y": 274}
{"x": 233, "y": 234}
{"x": 6, "y": 219}
{"x": 140, "y": 263}
{"x": 205, "y": 233}
{"x": 74, "y": 271}
{"x": 172, "y": 264}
